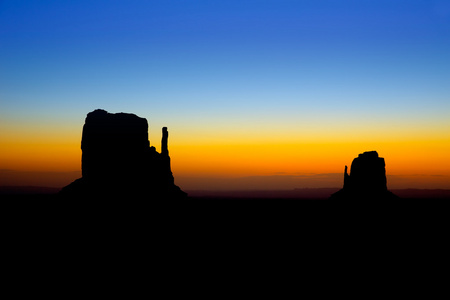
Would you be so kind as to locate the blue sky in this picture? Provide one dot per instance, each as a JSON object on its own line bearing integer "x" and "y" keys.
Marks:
{"x": 207, "y": 55}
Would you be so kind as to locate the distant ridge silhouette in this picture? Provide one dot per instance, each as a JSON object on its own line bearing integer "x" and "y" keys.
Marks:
{"x": 367, "y": 179}
{"x": 117, "y": 160}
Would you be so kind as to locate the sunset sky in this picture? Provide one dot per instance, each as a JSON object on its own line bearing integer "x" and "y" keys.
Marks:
{"x": 256, "y": 94}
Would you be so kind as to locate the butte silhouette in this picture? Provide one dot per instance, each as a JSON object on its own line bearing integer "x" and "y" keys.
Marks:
{"x": 117, "y": 160}
{"x": 367, "y": 179}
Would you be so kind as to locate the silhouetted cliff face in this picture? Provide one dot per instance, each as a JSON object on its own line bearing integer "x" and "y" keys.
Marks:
{"x": 117, "y": 159}
{"x": 367, "y": 179}
{"x": 113, "y": 144}
{"x": 367, "y": 173}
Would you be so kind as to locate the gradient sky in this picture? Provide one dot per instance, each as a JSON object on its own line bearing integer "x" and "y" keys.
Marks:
{"x": 247, "y": 88}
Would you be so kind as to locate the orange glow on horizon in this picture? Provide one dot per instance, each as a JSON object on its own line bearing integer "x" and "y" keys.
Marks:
{"x": 407, "y": 157}
{"x": 424, "y": 159}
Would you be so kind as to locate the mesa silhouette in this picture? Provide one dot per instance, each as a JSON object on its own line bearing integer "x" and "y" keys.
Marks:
{"x": 117, "y": 160}
{"x": 367, "y": 179}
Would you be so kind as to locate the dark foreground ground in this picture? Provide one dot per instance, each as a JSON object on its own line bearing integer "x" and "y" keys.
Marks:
{"x": 240, "y": 232}
{"x": 273, "y": 204}
{"x": 318, "y": 194}
{"x": 225, "y": 240}
{"x": 277, "y": 212}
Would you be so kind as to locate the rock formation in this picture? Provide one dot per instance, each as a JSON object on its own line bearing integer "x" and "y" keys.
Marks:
{"x": 367, "y": 179}
{"x": 117, "y": 160}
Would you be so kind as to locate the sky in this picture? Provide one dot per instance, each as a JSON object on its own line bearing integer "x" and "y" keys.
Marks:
{"x": 287, "y": 92}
